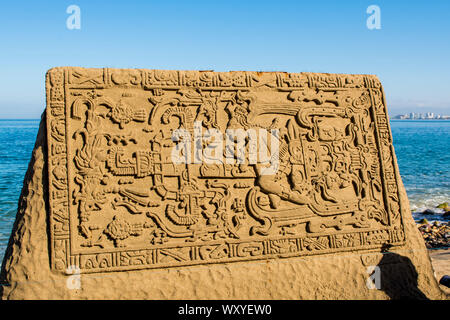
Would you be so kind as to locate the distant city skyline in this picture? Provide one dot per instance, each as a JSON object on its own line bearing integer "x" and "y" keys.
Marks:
{"x": 422, "y": 116}
{"x": 398, "y": 110}
{"x": 408, "y": 52}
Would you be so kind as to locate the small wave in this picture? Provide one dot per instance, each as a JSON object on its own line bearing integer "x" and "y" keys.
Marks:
{"x": 421, "y": 202}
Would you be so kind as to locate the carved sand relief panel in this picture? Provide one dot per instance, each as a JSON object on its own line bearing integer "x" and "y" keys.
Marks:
{"x": 145, "y": 170}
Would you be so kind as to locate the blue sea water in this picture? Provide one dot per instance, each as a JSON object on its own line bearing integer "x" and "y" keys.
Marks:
{"x": 17, "y": 139}
{"x": 422, "y": 149}
{"x": 423, "y": 152}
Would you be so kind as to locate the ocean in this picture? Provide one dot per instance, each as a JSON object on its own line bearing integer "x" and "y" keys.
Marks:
{"x": 422, "y": 148}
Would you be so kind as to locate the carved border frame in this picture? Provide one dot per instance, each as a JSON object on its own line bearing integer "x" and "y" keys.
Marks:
{"x": 60, "y": 80}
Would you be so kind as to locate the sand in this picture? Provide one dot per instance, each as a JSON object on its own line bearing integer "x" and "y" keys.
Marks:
{"x": 440, "y": 260}
{"x": 106, "y": 213}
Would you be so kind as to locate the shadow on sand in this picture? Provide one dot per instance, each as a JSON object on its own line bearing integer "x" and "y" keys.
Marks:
{"x": 399, "y": 277}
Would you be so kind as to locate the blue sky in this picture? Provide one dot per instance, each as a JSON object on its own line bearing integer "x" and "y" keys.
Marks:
{"x": 410, "y": 53}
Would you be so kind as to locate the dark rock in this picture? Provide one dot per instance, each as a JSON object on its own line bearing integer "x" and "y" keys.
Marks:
{"x": 445, "y": 281}
{"x": 436, "y": 235}
{"x": 443, "y": 206}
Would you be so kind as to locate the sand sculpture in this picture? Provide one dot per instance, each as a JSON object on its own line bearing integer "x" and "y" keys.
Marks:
{"x": 107, "y": 213}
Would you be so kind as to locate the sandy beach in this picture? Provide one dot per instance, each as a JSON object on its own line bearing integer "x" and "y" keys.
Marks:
{"x": 440, "y": 259}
